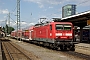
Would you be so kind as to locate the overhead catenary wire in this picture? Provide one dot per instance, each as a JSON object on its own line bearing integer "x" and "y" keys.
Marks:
{"x": 13, "y": 20}
{"x": 13, "y": 10}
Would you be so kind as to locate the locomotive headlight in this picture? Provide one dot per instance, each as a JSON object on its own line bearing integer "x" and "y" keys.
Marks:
{"x": 68, "y": 34}
{"x": 58, "y": 34}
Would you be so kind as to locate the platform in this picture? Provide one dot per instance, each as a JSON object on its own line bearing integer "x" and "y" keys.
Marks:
{"x": 83, "y": 48}
{"x": 85, "y": 45}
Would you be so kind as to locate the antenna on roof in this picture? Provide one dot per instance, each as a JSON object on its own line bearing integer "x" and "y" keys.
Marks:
{"x": 42, "y": 19}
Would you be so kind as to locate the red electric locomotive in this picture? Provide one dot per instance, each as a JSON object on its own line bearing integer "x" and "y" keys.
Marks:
{"x": 54, "y": 34}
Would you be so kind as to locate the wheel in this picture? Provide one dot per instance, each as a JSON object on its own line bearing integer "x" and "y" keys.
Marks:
{"x": 72, "y": 48}
{"x": 63, "y": 47}
{"x": 51, "y": 46}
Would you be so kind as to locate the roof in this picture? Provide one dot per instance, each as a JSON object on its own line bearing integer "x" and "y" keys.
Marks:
{"x": 83, "y": 13}
{"x": 78, "y": 19}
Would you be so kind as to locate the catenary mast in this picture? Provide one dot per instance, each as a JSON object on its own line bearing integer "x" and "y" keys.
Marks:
{"x": 18, "y": 16}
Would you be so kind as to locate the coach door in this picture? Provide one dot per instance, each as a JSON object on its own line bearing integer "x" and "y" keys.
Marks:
{"x": 51, "y": 31}
{"x": 30, "y": 34}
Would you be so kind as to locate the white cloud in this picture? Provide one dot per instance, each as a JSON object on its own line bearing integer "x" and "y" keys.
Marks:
{"x": 45, "y": 10}
{"x": 54, "y": 2}
{"x": 42, "y": 3}
{"x": 43, "y": 16}
{"x": 23, "y": 24}
{"x": 5, "y": 17}
{"x": 41, "y": 6}
{"x": 12, "y": 24}
{"x": 57, "y": 15}
{"x": 2, "y": 20}
{"x": 50, "y": 7}
{"x": 79, "y": 2}
{"x": 46, "y": 1}
{"x": 30, "y": 24}
{"x": 83, "y": 3}
{"x": 26, "y": 25}
{"x": 5, "y": 11}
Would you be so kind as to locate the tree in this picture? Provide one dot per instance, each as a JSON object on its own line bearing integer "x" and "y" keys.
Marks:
{"x": 8, "y": 29}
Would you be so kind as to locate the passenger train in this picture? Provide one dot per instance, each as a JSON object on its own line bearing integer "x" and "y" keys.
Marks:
{"x": 53, "y": 34}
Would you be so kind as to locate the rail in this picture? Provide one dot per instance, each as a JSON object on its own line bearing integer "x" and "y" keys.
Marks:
{"x": 9, "y": 53}
{"x": 17, "y": 52}
{"x": 21, "y": 51}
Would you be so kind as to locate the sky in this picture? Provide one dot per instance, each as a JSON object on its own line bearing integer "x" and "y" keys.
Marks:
{"x": 32, "y": 10}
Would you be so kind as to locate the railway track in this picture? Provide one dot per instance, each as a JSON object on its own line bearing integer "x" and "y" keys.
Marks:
{"x": 78, "y": 55}
{"x": 67, "y": 53}
{"x": 71, "y": 53}
{"x": 75, "y": 54}
{"x": 13, "y": 52}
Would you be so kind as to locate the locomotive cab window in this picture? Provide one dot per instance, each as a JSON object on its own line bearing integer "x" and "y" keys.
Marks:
{"x": 63, "y": 27}
{"x": 67, "y": 27}
{"x": 59, "y": 27}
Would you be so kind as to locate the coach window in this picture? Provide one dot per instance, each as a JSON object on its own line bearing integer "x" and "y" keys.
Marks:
{"x": 50, "y": 27}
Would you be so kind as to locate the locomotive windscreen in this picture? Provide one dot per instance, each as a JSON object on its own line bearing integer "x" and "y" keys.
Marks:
{"x": 63, "y": 27}
{"x": 59, "y": 27}
{"x": 67, "y": 27}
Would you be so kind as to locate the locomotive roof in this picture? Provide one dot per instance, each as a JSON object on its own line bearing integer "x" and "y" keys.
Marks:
{"x": 42, "y": 24}
{"x": 37, "y": 24}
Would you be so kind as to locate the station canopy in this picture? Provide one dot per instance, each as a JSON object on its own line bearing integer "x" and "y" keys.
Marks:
{"x": 78, "y": 19}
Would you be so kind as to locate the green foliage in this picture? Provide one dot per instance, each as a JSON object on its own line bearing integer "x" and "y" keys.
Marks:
{"x": 8, "y": 29}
